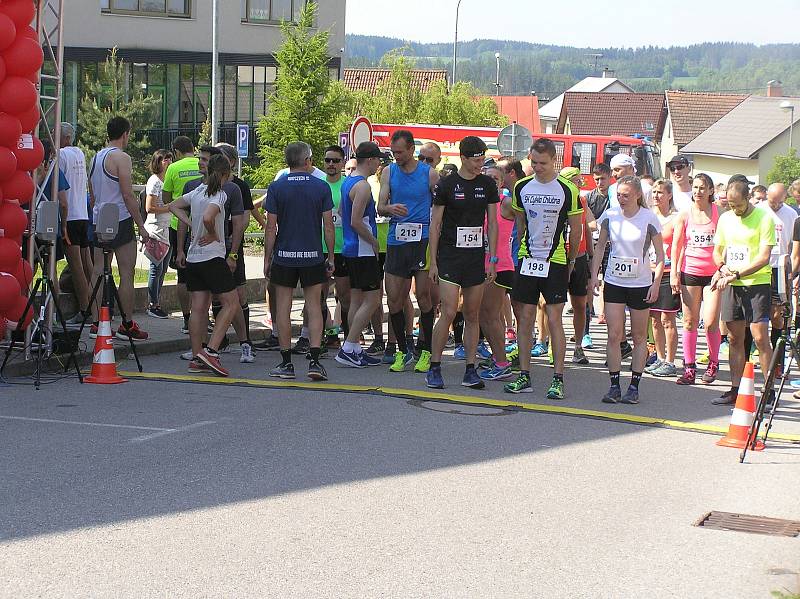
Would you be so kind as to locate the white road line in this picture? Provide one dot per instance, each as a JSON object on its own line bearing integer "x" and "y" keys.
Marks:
{"x": 81, "y": 423}
{"x": 164, "y": 432}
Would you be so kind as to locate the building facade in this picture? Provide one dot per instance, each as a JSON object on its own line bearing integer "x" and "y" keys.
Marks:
{"x": 166, "y": 46}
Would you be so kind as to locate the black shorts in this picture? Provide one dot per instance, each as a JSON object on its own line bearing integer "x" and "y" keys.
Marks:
{"x": 667, "y": 301}
{"x": 579, "y": 279}
{"x": 78, "y": 231}
{"x": 505, "y": 279}
{"x": 210, "y": 275}
{"x": 748, "y": 303}
{"x": 461, "y": 266}
{"x": 239, "y": 277}
{"x": 125, "y": 234}
{"x": 365, "y": 273}
{"x": 340, "y": 266}
{"x": 406, "y": 259}
{"x": 288, "y": 276}
{"x": 553, "y": 287}
{"x": 695, "y": 281}
{"x": 633, "y": 297}
{"x": 382, "y": 259}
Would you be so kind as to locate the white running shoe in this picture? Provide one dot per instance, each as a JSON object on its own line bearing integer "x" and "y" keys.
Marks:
{"x": 248, "y": 356}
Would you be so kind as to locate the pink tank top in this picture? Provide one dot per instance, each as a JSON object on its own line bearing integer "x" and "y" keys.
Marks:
{"x": 698, "y": 257}
{"x": 505, "y": 228}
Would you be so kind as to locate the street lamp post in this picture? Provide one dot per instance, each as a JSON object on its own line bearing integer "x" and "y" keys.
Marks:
{"x": 497, "y": 73}
{"x": 214, "y": 62}
{"x": 455, "y": 46}
{"x": 786, "y": 105}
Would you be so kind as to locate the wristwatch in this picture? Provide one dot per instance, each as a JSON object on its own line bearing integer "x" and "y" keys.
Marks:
{"x": 233, "y": 255}
{"x": 493, "y": 259}
{"x": 736, "y": 274}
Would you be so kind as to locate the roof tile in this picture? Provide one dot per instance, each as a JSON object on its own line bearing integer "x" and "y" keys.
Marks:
{"x": 613, "y": 114}
{"x": 370, "y": 79}
{"x": 694, "y": 112}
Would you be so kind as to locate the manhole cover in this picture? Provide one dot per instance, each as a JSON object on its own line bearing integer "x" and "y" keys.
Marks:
{"x": 753, "y": 524}
{"x": 459, "y": 409}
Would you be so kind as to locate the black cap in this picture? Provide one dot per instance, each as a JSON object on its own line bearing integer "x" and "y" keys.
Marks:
{"x": 368, "y": 149}
{"x": 472, "y": 147}
{"x": 741, "y": 178}
{"x": 679, "y": 159}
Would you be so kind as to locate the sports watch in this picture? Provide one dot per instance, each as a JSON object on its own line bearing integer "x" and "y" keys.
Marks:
{"x": 493, "y": 259}
{"x": 233, "y": 255}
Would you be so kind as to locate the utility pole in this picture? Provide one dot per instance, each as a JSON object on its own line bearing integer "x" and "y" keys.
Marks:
{"x": 214, "y": 63}
{"x": 497, "y": 74}
{"x": 455, "y": 47}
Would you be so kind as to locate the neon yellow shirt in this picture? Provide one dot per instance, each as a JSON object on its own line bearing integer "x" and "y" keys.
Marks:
{"x": 742, "y": 239}
{"x": 178, "y": 174}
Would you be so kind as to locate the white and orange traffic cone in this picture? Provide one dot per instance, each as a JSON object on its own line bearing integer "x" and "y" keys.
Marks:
{"x": 104, "y": 367}
{"x": 744, "y": 412}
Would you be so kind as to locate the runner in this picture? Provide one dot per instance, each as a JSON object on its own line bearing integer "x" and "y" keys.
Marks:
{"x": 597, "y": 200}
{"x": 207, "y": 270}
{"x": 665, "y": 309}
{"x": 334, "y": 159}
{"x": 744, "y": 241}
{"x": 462, "y": 203}
{"x": 157, "y": 224}
{"x": 349, "y": 167}
{"x": 543, "y": 203}
{"x": 360, "y": 249}
{"x": 623, "y": 165}
{"x": 693, "y": 250}
{"x": 406, "y": 188}
{"x": 628, "y": 282}
{"x": 298, "y": 206}
{"x": 680, "y": 174}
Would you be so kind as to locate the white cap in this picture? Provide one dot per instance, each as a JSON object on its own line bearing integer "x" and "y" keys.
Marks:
{"x": 622, "y": 160}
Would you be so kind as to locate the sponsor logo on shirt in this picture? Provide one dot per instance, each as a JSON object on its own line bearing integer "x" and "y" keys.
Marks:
{"x": 285, "y": 254}
{"x": 537, "y": 198}
{"x": 458, "y": 192}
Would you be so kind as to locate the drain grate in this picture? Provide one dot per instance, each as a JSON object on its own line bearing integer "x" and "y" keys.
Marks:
{"x": 753, "y": 524}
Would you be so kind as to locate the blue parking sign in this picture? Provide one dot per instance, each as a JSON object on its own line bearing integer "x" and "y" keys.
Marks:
{"x": 242, "y": 140}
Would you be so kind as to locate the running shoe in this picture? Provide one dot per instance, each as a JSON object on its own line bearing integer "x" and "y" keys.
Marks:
{"x": 483, "y": 350}
{"x": 401, "y": 361}
{"x": 539, "y": 349}
{"x": 132, "y": 332}
{"x": 710, "y": 375}
{"x": 666, "y": 369}
{"x": 496, "y": 373}
{"x": 155, "y": 312}
{"x": 631, "y": 396}
{"x": 513, "y": 357}
{"x": 434, "y": 378}
{"x": 283, "y": 371}
{"x": 198, "y": 366}
{"x": 704, "y": 358}
{"x": 301, "y": 347}
{"x": 271, "y": 343}
{"x": 688, "y": 376}
{"x": 76, "y": 320}
{"x": 578, "y": 357}
{"x": 368, "y": 360}
{"x": 187, "y": 355}
{"x": 211, "y": 359}
{"x": 472, "y": 380}
{"x": 613, "y": 396}
{"x": 726, "y": 399}
{"x": 459, "y": 353}
{"x": 351, "y": 359}
{"x": 248, "y": 355}
{"x": 586, "y": 342}
{"x": 451, "y": 341}
{"x": 388, "y": 356}
{"x": 556, "y": 390}
{"x": 224, "y": 346}
{"x": 316, "y": 371}
{"x": 651, "y": 359}
{"x": 423, "y": 362}
{"x": 486, "y": 364}
{"x": 332, "y": 343}
{"x": 511, "y": 335}
{"x": 625, "y": 350}
{"x": 654, "y": 366}
{"x": 376, "y": 348}
{"x": 522, "y": 384}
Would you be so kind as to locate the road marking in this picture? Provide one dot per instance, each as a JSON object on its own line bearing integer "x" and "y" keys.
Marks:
{"x": 170, "y": 431}
{"x": 697, "y": 427}
{"x": 81, "y": 423}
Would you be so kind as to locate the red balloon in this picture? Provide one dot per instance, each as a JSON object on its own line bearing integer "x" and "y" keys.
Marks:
{"x": 8, "y": 31}
{"x": 28, "y": 121}
{"x": 8, "y": 163}
{"x": 23, "y": 57}
{"x": 17, "y": 94}
{"x": 3, "y": 326}
{"x": 19, "y": 187}
{"x": 10, "y": 130}
{"x": 19, "y": 11}
{"x": 13, "y": 220}
{"x": 24, "y": 276}
{"x": 10, "y": 255}
{"x": 17, "y": 316}
{"x": 30, "y": 154}
{"x": 27, "y": 31}
{"x": 9, "y": 292}
{"x": 3, "y": 71}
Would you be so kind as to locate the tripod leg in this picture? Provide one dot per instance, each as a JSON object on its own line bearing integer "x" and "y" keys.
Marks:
{"x": 28, "y": 306}
{"x": 766, "y": 393}
{"x": 92, "y": 300}
{"x": 66, "y": 334}
{"x": 125, "y": 318}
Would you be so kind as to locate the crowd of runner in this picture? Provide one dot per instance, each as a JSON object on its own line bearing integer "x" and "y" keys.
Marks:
{"x": 490, "y": 251}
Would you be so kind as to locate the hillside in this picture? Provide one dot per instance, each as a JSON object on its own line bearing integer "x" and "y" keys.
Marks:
{"x": 549, "y": 70}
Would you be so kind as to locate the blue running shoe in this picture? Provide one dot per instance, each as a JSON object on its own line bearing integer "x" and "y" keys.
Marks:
{"x": 472, "y": 380}
{"x": 433, "y": 378}
{"x": 498, "y": 373}
{"x": 483, "y": 350}
{"x": 353, "y": 360}
{"x": 586, "y": 343}
{"x": 367, "y": 360}
{"x": 459, "y": 353}
{"x": 539, "y": 350}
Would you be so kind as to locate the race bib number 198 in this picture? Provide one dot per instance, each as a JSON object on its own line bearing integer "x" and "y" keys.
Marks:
{"x": 531, "y": 267}
{"x": 406, "y": 232}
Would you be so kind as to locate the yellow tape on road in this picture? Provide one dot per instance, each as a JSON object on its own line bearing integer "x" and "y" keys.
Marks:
{"x": 696, "y": 427}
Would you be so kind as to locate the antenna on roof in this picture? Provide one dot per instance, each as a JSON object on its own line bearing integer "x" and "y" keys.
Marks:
{"x": 596, "y": 58}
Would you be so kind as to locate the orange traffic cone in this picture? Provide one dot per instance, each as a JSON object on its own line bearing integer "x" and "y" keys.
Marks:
{"x": 104, "y": 368}
{"x": 744, "y": 412}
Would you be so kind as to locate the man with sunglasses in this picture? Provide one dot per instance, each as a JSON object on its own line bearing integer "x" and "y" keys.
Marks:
{"x": 680, "y": 173}
{"x": 431, "y": 154}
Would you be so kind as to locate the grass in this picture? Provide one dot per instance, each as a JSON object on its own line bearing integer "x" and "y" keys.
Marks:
{"x": 140, "y": 275}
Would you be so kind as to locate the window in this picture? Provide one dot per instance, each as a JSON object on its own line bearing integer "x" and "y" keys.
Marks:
{"x": 584, "y": 156}
{"x": 263, "y": 11}
{"x": 168, "y": 8}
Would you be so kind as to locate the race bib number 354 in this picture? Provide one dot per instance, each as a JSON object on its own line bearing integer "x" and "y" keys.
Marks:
{"x": 406, "y": 232}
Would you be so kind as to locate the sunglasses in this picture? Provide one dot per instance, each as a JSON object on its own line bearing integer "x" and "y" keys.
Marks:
{"x": 677, "y": 167}
{"x": 332, "y": 160}
{"x": 428, "y": 159}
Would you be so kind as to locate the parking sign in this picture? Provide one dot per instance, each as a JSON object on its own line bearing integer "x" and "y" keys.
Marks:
{"x": 242, "y": 140}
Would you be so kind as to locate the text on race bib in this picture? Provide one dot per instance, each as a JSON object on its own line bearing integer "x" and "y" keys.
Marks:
{"x": 531, "y": 267}
{"x": 700, "y": 239}
{"x": 469, "y": 237}
{"x": 737, "y": 257}
{"x": 406, "y": 232}
{"x": 624, "y": 267}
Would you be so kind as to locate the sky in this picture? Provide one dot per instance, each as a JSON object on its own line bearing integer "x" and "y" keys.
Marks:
{"x": 644, "y": 22}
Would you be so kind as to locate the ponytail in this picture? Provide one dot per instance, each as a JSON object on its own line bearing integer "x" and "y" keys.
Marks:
{"x": 218, "y": 169}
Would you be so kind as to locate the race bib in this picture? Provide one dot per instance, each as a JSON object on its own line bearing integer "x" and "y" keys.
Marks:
{"x": 406, "y": 232}
{"x": 623, "y": 267}
{"x": 700, "y": 239}
{"x": 737, "y": 257}
{"x": 337, "y": 220}
{"x": 531, "y": 267}
{"x": 469, "y": 237}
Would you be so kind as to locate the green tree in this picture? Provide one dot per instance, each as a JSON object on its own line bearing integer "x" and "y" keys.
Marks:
{"x": 111, "y": 95}
{"x": 306, "y": 105}
{"x": 462, "y": 106}
{"x": 205, "y": 133}
{"x": 786, "y": 168}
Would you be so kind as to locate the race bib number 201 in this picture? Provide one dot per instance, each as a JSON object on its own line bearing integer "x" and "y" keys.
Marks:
{"x": 406, "y": 232}
{"x": 624, "y": 267}
{"x": 531, "y": 267}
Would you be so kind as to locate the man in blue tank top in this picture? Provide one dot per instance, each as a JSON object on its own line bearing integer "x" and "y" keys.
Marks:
{"x": 406, "y": 196}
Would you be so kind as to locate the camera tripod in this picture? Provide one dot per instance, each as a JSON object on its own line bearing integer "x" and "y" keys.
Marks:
{"x": 109, "y": 291}
{"x": 44, "y": 284}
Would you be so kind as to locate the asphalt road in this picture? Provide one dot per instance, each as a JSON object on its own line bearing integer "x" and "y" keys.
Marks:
{"x": 182, "y": 489}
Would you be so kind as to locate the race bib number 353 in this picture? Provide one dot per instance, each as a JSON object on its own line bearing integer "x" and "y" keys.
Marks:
{"x": 531, "y": 267}
{"x": 737, "y": 257}
{"x": 406, "y": 232}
